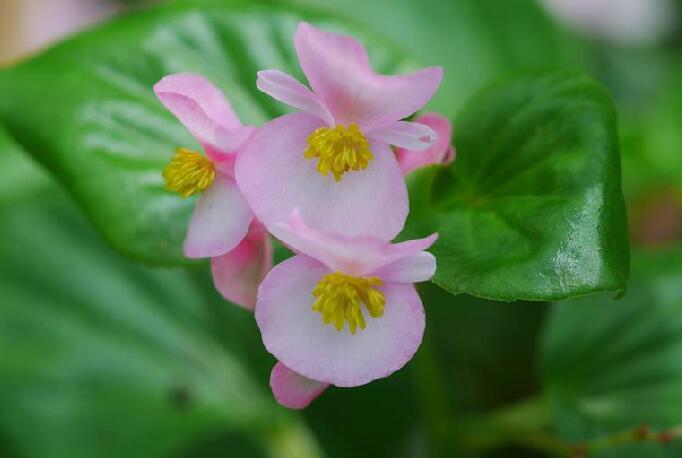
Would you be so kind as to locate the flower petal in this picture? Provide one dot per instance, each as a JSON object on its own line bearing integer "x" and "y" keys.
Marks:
{"x": 441, "y": 152}
{"x": 351, "y": 255}
{"x": 405, "y": 134}
{"x": 298, "y": 338}
{"x": 338, "y": 70}
{"x": 413, "y": 269}
{"x": 221, "y": 220}
{"x": 227, "y": 142}
{"x": 203, "y": 109}
{"x": 275, "y": 178}
{"x": 287, "y": 89}
{"x": 238, "y": 273}
{"x": 293, "y": 390}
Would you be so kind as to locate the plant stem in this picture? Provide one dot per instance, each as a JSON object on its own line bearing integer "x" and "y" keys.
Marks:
{"x": 293, "y": 439}
{"x": 431, "y": 389}
{"x": 522, "y": 424}
{"x": 641, "y": 433}
{"x": 526, "y": 423}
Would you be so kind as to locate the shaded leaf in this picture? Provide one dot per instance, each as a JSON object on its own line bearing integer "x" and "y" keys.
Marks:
{"x": 612, "y": 365}
{"x": 100, "y": 357}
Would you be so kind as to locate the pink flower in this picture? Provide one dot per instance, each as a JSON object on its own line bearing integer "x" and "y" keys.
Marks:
{"x": 344, "y": 310}
{"x": 293, "y": 390}
{"x": 441, "y": 152}
{"x": 238, "y": 273}
{"x": 332, "y": 160}
{"x": 222, "y": 226}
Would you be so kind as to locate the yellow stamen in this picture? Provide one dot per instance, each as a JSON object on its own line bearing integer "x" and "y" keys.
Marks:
{"x": 338, "y": 150}
{"x": 339, "y": 297}
{"x": 188, "y": 173}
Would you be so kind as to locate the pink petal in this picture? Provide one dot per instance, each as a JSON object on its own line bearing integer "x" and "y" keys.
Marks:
{"x": 351, "y": 255}
{"x": 201, "y": 93}
{"x": 298, "y": 338}
{"x": 405, "y": 134}
{"x": 224, "y": 163}
{"x": 238, "y": 273}
{"x": 338, "y": 70}
{"x": 275, "y": 178}
{"x": 441, "y": 152}
{"x": 287, "y": 89}
{"x": 293, "y": 390}
{"x": 203, "y": 109}
{"x": 413, "y": 269}
{"x": 221, "y": 220}
{"x": 228, "y": 142}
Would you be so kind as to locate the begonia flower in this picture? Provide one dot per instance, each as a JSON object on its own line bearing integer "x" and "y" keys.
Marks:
{"x": 293, "y": 390}
{"x": 238, "y": 273}
{"x": 222, "y": 226}
{"x": 332, "y": 160}
{"x": 344, "y": 310}
{"x": 440, "y": 153}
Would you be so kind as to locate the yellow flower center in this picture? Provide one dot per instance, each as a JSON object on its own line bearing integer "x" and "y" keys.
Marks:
{"x": 339, "y": 297}
{"x": 338, "y": 150}
{"x": 188, "y": 173}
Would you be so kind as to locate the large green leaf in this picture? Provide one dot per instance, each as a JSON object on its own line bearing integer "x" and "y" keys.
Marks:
{"x": 614, "y": 365}
{"x": 532, "y": 208}
{"x": 100, "y": 357}
{"x": 86, "y": 110}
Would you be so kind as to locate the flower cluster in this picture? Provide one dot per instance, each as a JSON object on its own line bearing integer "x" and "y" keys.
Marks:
{"x": 326, "y": 183}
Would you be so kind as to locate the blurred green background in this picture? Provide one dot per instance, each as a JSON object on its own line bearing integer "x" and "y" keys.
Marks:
{"x": 105, "y": 356}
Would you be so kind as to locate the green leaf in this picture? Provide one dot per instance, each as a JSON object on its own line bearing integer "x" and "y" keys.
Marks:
{"x": 20, "y": 175}
{"x": 86, "y": 109}
{"x": 612, "y": 365}
{"x": 532, "y": 207}
{"x": 483, "y": 349}
{"x": 101, "y": 357}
